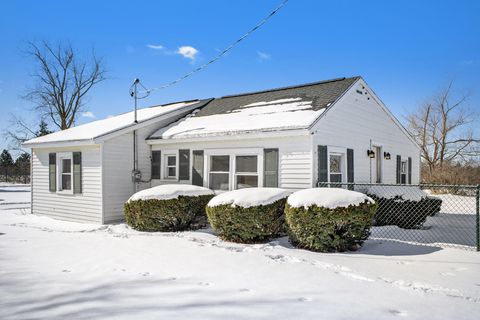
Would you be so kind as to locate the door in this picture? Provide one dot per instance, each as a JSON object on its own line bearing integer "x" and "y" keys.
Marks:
{"x": 377, "y": 170}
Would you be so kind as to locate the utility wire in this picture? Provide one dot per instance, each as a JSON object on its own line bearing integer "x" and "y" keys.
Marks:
{"x": 221, "y": 54}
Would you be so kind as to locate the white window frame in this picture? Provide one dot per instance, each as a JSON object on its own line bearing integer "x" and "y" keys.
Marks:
{"x": 338, "y": 151}
{"x": 251, "y": 174}
{"x": 221, "y": 172}
{"x": 402, "y": 171}
{"x": 233, "y": 153}
{"x": 60, "y": 157}
{"x": 166, "y": 166}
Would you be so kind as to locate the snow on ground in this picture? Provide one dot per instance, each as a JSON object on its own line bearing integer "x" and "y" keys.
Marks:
{"x": 249, "y": 197}
{"x": 59, "y": 270}
{"x": 170, "y": 191}
{"x": 327, "y": 197}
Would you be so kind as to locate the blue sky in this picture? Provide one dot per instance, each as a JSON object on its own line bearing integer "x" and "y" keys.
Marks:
{"x": 405, "y": 50}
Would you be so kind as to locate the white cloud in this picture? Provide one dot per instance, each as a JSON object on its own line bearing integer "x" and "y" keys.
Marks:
{"x": 88, "y": 114}
{"x": 187, "y": 52}
{"x": 262, "y": 56}
{"x": 155, "y": 46}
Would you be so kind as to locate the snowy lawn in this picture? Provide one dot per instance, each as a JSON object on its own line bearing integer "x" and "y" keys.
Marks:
{"x": 58, "y": 270}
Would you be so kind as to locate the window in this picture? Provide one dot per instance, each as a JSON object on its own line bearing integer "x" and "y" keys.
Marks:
{"x": 336, "y": 168}
{"x": 403, "y": 172}
{"x": 170, "y": 166}
{"x": 219, "y": 172}
{"x": 66, "y": 174}
{"x": 246, "y": 172}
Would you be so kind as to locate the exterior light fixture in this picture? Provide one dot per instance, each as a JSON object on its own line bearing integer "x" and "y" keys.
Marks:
{"x": 386, "y": 155}
{"x": 371, "y": 154}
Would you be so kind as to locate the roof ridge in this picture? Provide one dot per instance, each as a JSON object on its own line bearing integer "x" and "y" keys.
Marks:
{"x": 288, "y": 87}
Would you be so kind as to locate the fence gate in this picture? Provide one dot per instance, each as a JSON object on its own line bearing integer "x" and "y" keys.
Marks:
{"x": 424, "y": 214}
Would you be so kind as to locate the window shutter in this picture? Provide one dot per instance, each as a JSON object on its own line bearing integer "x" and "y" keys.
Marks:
{"x": 270, "y": 168}
{"x": 322, "y": 164}
{"x": 350, "y": 168}
{"x": 399, "y": 167}
{"x": 77, "y": 172}
{"x": 197, "y": 168}
{"x": 156, "y": 159}
{"x": 184, "y": 164}
{"x": 409, "y": 173}
{"x": 52, "y": 172}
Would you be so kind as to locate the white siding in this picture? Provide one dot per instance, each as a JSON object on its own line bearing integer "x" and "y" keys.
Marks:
{"x": 357, "y": 122}
{"x": 295, "y": 156}
{"x": 118, "y": 166}
{"x": 85, "y": 207}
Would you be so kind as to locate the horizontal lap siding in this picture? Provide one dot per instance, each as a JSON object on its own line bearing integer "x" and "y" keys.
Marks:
{"x": 352, "y": 123}
{"x": 85, "y": 207}
{"x": 295, "y": 156}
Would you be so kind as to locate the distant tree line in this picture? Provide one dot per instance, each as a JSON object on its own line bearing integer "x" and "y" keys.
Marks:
{"x": 15, "y": 171}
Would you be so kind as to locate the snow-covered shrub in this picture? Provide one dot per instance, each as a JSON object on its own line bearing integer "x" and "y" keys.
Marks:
{"x": 174, "y": 207}
{"x": 329, "y": 219}
{"x": 403, "y": 206}
{"x": 248, "y": 215}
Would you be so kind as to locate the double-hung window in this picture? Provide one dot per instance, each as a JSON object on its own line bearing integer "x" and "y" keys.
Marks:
{"x": 403, "y": 172}
{"x": 246, "y": 172}
{"x": 219, "y": 172}
{"x": 336, "y": 167}
{"x": 66, "y": 178}
{"x": 170, "y": 166}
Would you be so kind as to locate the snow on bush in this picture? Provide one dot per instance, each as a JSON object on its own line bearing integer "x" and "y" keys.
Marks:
{"x": 170, "y": 191}
{"x": 168, "y": 208}
{"x": 403, "y": 192}
{"x": 248, "y": 215}
{"x": 329, "y": 219}
{"x": 327, "y": 197}
{"x": 249, "y": 197}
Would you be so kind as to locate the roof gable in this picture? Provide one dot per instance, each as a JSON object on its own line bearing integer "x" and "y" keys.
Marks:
{"x": 285, "y": 108}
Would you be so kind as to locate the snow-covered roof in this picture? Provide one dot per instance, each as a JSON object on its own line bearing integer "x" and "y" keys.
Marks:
{"x": 287, "y": 108}
{"x": 99, "y": 128}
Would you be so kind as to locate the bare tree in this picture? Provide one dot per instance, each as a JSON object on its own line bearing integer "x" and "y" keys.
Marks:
{"x": 20, "y": 131}
{"x": 442, "y": 128}
{"x": 62, "y": 82}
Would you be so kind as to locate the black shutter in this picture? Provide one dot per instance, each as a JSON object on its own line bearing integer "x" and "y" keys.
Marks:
{"x": 270, "y": 168}
{"x": 399, "y": 168}
{"x": 52, "y": 172}
{"x": 77, "y": 172}
{"x": 350, "y": 168}
{"x": 184, "y": 164}
{"x": 322, "y": 164}
{"x": 409, "y": 170}
{"x": 156, "y": 161}
{"x": 197, "y": 168}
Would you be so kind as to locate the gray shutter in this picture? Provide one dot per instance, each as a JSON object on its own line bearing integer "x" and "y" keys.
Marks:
{"x": 270, "y": 168}
{"x": 77, "y": 172}
{"x": 409, "y": 173}
{"x": 197, "y": 168}
{"x": 52, "y": 172}
{"x": 156, "y": 161}
{"x": 399, "y": 166}
{"x": 350, "y": 168}
{"x": 322, "y": 164}
{"x": 184, "y": 164}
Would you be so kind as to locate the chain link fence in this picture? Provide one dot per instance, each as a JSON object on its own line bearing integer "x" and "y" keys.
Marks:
{"x": 424, "y": 214}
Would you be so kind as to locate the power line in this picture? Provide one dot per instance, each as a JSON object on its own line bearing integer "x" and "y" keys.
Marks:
{"x": 221, "y": 54}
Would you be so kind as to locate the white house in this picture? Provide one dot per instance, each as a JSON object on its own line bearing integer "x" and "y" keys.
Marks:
{"x": 294, "y": 137}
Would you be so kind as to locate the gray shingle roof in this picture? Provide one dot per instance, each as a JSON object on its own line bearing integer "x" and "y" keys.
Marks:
{"x": 321, "y": 93}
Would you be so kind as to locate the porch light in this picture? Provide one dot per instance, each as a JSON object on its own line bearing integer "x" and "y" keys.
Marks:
{"x": 386, "y": 155}
{"x": 371, "y": 154}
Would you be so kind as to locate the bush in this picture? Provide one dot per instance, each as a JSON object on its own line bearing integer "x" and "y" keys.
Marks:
{"x": 248, "y": 223}
{"x": 182, "y": 213}
{"x": 406, "y": 214}
{"x": 330, "y": 229}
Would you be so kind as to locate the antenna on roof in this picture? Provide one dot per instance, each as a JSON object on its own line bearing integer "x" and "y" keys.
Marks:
{"x": 134, "y": 94}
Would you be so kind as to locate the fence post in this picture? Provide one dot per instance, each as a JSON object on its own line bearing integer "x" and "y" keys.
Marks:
{"x": 478, "y": 216}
